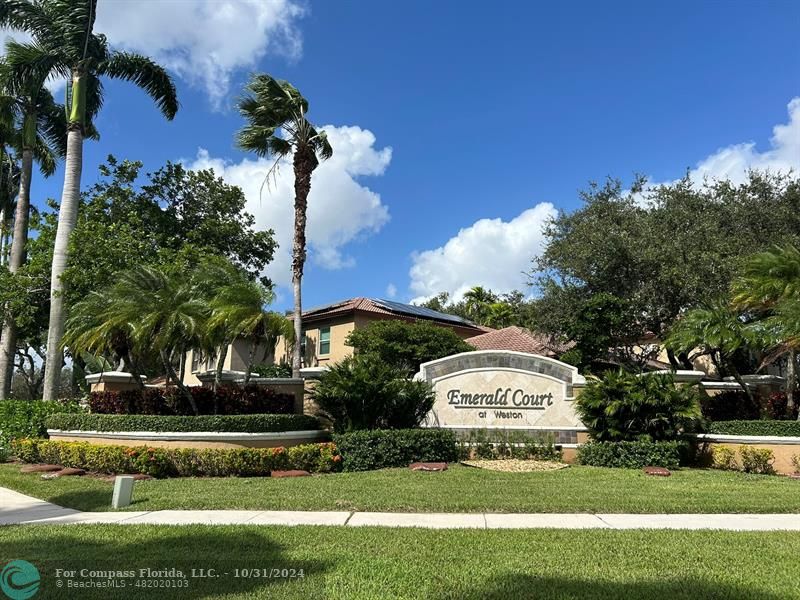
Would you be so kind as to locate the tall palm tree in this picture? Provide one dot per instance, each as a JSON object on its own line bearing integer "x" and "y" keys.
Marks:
{"x": 64, "y": 45}
{"x": 40, "y": 136}
{"x": 273, "y": 107}
{"x": 770, "y": 285}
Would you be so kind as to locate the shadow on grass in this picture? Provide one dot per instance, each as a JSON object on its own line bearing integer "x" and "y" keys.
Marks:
{"x": 519, "y": 586}
{"x": 86, "y": 500}
{"x": 210, "y": 551}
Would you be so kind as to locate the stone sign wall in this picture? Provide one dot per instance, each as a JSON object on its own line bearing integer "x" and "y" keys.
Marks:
{"x": 497, "y": 389}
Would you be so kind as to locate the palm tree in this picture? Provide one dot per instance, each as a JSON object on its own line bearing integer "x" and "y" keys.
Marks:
{"x": 238, "y": 311}
{"x": 63, "y": 44}
{"x": 160, "y": 313}
{"x": 477, "y": 300}
{"x": 770, "y": 285}
{"x": 40, "y": 136}
{"x": 271, "y": 106}
{"x": 718, "y": 332}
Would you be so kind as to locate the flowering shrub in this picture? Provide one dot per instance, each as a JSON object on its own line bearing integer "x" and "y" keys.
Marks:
{"x": 180, "y": 462}
{"x": 245, "y": 400}
{"x": 757, "y": 460}
{"x": 776, "y": 407}
{"x": 724, "y": 458}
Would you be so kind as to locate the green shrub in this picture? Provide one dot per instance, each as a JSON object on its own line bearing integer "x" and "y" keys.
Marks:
{"x": 220, "y": 423}
{"x": 729, "y": 405}
{"x": 281, "y": 370}
{"x": 363, "y": 392}
{"x": 26, "y": 418}
{"x": 183, "y": 462}
{"x": 757, "y": 460}
{"x": 723, "y": 457}
{"x": 405, "y": 345}
{"x": 500, "y": 444}
{"x": 380, "y": 449}
{"x": 625, "y": 407}
{"x": 776, "y": 428}
{"x": 633, "y": 455}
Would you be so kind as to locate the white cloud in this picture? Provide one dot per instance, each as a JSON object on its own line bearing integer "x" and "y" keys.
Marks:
{"x": 340, "y": 208}
{"x": 203, "y": 41}
{"x": 733, "y": 162}
{"x": 391, "y": 291}
{"x": 491, "y": 252}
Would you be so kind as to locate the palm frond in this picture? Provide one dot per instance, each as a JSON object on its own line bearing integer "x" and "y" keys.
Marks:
{"x": 146, "y": 74}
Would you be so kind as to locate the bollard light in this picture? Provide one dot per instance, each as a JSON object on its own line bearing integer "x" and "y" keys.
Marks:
{"x": 123, "y": 491}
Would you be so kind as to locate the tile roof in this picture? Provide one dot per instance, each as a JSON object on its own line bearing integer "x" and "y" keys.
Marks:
{"x": 517, "y": 339}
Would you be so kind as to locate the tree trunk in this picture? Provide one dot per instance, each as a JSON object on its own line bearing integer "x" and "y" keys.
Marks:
{"x": 304, "y": 163}
{"x": 67, "y": 217}
{"x": 170, "y": 370}
{"x": 223, "y": 354}
{"x": 791, "y": 381}
{"x": 8, "y": 339}
{"x": 2, "y": 236}
{"x": 250, "y": 360}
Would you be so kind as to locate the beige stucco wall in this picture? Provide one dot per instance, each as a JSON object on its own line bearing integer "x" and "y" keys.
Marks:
{"x": 783, "y": 454}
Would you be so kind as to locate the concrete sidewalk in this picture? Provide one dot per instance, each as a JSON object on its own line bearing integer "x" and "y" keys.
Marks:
{"x": 17, "y": 509}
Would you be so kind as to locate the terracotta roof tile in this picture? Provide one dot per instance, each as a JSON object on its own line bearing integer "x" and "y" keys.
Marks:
{"x": 516, "y": 339}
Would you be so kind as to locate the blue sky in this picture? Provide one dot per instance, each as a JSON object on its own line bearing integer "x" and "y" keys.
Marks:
{"x": 458, "y": 127}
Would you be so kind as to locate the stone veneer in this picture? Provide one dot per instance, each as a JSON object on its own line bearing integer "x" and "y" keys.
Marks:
{"x": 498, "y": 359}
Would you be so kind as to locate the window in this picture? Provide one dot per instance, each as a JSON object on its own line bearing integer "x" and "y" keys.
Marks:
{"x": 325, "y": 340}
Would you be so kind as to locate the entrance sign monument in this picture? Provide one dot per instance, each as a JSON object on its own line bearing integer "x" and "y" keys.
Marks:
{"x": 500, "y": 389}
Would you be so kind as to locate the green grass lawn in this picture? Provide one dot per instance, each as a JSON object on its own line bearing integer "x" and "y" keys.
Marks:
{"x": 373, "y": 563}
{"x": 460, "y": 489}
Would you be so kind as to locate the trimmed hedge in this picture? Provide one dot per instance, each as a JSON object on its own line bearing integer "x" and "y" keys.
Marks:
{"x": 26, "y": 418}
{"x": 179, "y": 462}
{"x": 220, "y": 423}
{"x": 777, "y": 428}
{"x": 633, "y": 455}
{"x": 244, "y": 400}
{"x": 385, "y": 448}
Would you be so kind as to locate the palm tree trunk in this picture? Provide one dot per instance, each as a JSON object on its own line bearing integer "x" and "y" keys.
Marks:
{"x": 67, "y": 217}
{"x": 251, "y": 356}
{"x": 8, "y": 345}
{"x": 791, "y": 381}
{"x": 2, "y": 234}
{"x": 223, "y": 354}
{"x": 166, "y": 360}
{"x": 304, "y": 162}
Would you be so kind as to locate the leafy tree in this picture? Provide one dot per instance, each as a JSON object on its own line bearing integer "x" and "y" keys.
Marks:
{"x": 271, "y": 106}
{"x": 405, "y": 345}
{"x": 627, "y": 407}
{"x": 365, "y": 392}
{"x": 603, "y": 322}
{"x": 63, "y": 44}
{"x": 664, "y": 252}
